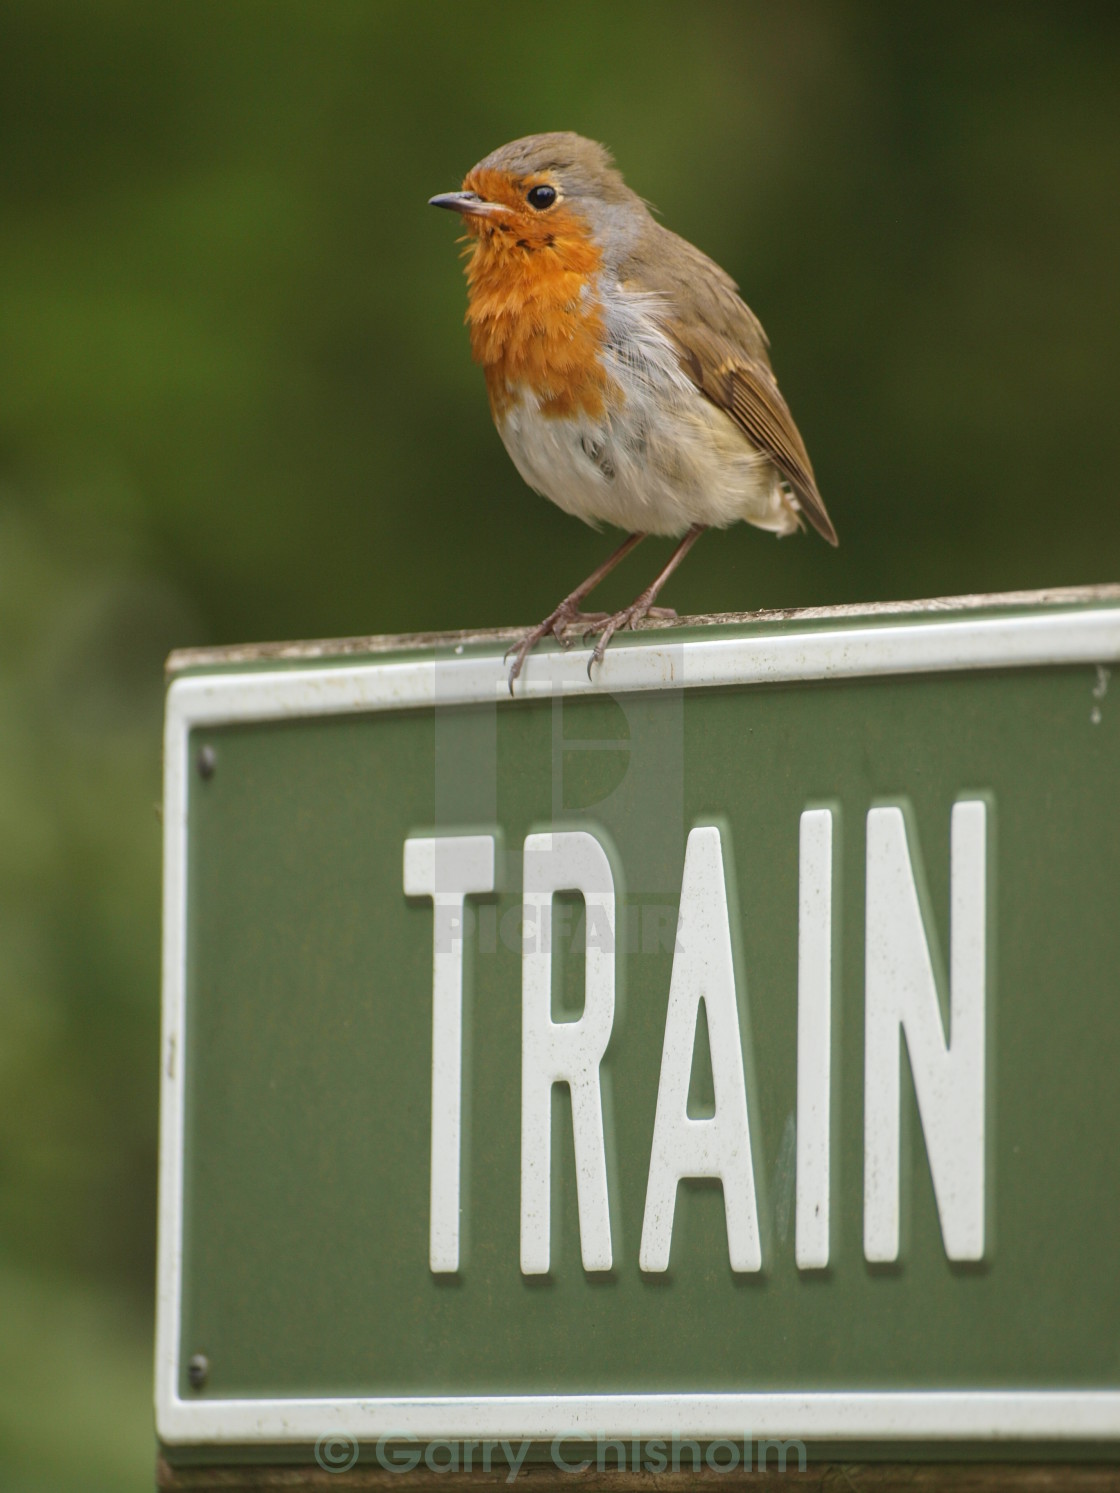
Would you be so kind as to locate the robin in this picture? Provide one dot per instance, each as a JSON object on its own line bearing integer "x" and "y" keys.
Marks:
{"x": 628, "y": 381}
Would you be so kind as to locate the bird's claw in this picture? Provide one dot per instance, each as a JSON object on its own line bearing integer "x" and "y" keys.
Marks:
{"x": 630, "y": 616}
{"x": 566, "y": 618}
{"x": 567, "y": 629}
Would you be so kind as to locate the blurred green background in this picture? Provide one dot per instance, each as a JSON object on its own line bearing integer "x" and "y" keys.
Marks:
{"x": 236, "y": 402}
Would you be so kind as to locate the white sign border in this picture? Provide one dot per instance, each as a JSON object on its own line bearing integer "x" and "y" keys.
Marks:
{"x": 938, "y": 643}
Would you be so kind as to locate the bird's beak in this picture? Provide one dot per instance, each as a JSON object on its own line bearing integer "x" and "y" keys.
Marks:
{"x": 470, "y": 204}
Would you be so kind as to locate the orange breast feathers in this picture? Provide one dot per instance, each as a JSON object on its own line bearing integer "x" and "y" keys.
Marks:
{"x": 535, "y": 323}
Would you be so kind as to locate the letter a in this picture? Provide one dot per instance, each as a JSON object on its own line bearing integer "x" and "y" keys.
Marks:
{"x": 703, "y": 970}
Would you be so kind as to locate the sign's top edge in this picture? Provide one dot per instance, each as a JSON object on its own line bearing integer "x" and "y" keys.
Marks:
{"x": 185, "y": 660}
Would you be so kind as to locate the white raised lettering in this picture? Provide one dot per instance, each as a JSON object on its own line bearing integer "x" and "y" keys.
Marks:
{"x": 448, "y": 869}
{"x": 814, "y": 1040}
{"x": 901, "y": 994}
{"x": 703, "y": 970}
{"x": 567, "y": 1051}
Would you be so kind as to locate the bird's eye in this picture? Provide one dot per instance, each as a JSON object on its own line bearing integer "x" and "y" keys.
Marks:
{"x": 541, "y": 197}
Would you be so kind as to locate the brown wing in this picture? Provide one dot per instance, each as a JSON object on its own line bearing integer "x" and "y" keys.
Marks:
{"x": 723, "y": 349}
{"x": 749, "y": 393}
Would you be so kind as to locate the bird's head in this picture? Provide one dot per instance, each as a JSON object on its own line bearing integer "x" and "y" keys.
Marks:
{"x": 540, "y": 191}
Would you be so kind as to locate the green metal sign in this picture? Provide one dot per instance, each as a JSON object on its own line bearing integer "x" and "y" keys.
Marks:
{"x": 723, "y": 1048}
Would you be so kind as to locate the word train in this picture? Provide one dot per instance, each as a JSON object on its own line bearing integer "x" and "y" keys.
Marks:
{"x": 900, "y": 998}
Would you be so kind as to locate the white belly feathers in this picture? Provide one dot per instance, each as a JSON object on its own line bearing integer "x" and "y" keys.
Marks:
{"x": 661, "y": 459}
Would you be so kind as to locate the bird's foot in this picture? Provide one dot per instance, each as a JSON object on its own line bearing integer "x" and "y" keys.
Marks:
{"x": 630, "y": 616}
{"x": 567, "y": 618}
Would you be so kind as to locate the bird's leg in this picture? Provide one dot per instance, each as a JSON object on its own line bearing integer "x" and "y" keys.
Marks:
{"x": 643, "y": 606}
{"x": 568, "y": 613}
